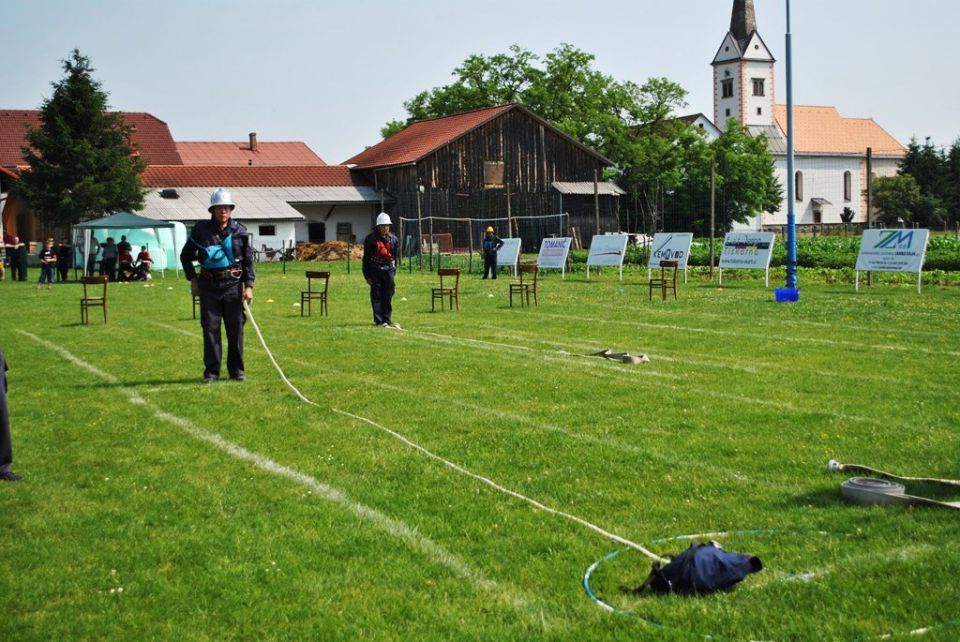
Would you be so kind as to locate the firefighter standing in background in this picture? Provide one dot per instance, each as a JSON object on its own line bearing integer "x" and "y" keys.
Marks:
{"x": 380, "y": 250}
{"x": 222, "y": 247}
{"x": 491, "y": 243}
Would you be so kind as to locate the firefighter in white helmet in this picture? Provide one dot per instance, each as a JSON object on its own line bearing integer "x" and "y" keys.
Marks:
{"x": 380, "y": 250}
{"x": 222, "y": 247}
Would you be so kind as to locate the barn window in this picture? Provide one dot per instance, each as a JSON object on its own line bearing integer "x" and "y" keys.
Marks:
{"x": 267, "y": 230}
{"x": 847, "y": 186}
{"x": 345, "y": 232}
{"x": 798, "y": 186}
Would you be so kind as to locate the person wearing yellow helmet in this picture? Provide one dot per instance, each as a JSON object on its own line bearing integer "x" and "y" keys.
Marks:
{"x": 491, "y": 243}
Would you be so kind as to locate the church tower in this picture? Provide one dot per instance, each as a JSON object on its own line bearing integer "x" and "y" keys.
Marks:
{"x": 743, "y": 72}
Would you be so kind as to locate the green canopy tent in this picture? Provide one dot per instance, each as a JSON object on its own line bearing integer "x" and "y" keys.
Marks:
{"x": 168, "y": 237}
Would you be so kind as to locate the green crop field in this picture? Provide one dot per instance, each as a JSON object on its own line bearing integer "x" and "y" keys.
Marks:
{"x": 157, "y": 507}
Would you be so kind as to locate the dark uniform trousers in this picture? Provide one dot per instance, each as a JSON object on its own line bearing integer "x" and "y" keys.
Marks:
{"x": 381, "y": 294}
{"x": 222, "y": 302}
{"x": 490, "y": 264}
{"x": 6, "y": 447}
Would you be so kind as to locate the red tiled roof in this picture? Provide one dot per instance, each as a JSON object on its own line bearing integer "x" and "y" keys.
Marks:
{"x": 150, "y": 134}
{"x": 237, "y": 154}
{"x": 423, "y": 137}
{"x": 158, "y": 176}
{"x": 822, "y": 130}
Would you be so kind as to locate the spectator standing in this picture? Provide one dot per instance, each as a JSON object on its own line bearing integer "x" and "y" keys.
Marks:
{"x": 48, "y": 264}
{"x": 124, "y": 245}
{"x": 92, "y": 252}
{"x": 108, "y": 259}
{"x": 18, "y": 260}
{"x": 64, "y": 259}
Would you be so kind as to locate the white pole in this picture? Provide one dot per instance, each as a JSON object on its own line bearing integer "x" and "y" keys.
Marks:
{"x": 720, "y": 272}
{"x": 857, "y": 281}
{"x": 919, "y": 277}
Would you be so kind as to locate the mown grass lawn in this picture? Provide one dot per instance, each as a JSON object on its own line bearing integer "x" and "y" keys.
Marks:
{"x": 236, "y": 511}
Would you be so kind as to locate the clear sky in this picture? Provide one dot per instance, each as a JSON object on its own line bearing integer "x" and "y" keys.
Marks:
{"x": 332, "y": 72}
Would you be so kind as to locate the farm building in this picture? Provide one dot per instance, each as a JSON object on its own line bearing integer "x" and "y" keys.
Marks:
{"x": 491, "y": 165}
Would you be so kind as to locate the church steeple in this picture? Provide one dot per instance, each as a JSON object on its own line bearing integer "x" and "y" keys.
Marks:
{"x": 743, "y": 22}
{"x": 743, "y": 72}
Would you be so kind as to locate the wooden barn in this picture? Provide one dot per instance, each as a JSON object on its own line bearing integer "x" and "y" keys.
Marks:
{"x": 496, "y": 166}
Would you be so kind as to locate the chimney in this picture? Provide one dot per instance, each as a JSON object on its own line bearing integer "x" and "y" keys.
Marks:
{"x": 253, "y": 141}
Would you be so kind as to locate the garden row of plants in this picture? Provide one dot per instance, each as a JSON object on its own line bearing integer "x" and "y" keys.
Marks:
{"x": 943, "y": 253}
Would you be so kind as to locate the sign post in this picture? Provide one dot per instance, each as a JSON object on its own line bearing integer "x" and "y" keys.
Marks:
{"x": 607, "y": 250}
{"x": 892, "y": 251}
{"x": 509, "y": 254}
{"x": 747, "y": 251}
{"x": 553, "y": 254}
{"x": 670, "y": 247}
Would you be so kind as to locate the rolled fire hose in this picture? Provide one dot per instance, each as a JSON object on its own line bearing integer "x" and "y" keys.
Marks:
{"x": 869, "y": 490}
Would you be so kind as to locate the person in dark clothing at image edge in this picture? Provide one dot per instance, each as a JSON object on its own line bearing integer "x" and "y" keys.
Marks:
{"x": 380, "y": 250}
{"x": 6, "y": 449}
{"x": 222, "y": 247}
{"x": 491, "y": 243}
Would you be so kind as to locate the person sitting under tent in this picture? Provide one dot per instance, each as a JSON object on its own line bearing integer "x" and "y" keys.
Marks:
{"x": 144, "y": 262}
{"x": 127, "y": 272}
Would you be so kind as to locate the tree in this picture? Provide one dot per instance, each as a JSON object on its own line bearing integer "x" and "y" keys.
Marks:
{"x": 896, "y": 199}
{"x": 747, "y": 183}
{"x": 81, "y": 162}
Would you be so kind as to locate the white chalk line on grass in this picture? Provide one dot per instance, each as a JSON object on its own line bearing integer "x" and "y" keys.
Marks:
{"x": 389, "y": 525}
{"x": 685, "y": 388}
{"x": 758, "y": 335}
{"x": 450, "y": 464}
{"x": 615, "y": 444}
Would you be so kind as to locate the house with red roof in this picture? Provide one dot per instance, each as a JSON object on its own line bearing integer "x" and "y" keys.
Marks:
{"x": 830, "y": 176}
{"x": 280, "y": 205}
{"x": 284, "y": 192}
{"x": 150, "y": 136}
{"x": 487, "y": 165}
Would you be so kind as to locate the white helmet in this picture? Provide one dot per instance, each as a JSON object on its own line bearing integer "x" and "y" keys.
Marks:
{"x": 384, "y": 219}
{"x": 220, "y": 196}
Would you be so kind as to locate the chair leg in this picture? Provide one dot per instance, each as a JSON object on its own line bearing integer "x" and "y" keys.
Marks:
{"x": 104, "y": 311}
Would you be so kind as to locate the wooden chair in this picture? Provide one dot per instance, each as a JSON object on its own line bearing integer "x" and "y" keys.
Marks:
{"x": 667, "y": 280}
{"x": 309, "y": 295}
{"x": 91, "y": 301}
{"x": 524, "y": 287}
{"x": 453, "y": 293}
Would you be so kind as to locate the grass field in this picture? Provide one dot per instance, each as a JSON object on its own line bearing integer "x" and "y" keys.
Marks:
{"x": 157, "y": 507}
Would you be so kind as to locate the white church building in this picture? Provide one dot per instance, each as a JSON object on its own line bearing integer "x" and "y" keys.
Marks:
{"x": 830, "y": 149}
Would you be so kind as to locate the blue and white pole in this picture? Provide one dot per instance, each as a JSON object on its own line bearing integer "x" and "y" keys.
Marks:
{"x": 791, "y": 177}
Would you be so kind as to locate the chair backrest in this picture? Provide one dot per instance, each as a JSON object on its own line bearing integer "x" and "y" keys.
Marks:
{"x": 94, "y": 280}
{"x": 454, "y": 272}
{"x": 670, "y": 264}
{"x": 529, "y": 268}
{"x": 318, "y": 275}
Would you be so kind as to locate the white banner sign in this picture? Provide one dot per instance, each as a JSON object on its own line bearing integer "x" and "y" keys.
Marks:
{"x": 747, "y": 251}
{"x": 670, "y": 247}
{"x": 509, "y": 253}
{"x": 553, "y": 254}
{"x": 607, "y": 250}
{"x": 892, "y": 250}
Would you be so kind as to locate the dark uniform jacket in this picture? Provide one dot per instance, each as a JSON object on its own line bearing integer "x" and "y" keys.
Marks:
{"x": 379, "y": 253}
{"x": 207, "y": 233}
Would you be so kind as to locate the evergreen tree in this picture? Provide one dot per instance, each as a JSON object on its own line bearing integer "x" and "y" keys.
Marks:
{"x": 81, "y": 160}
